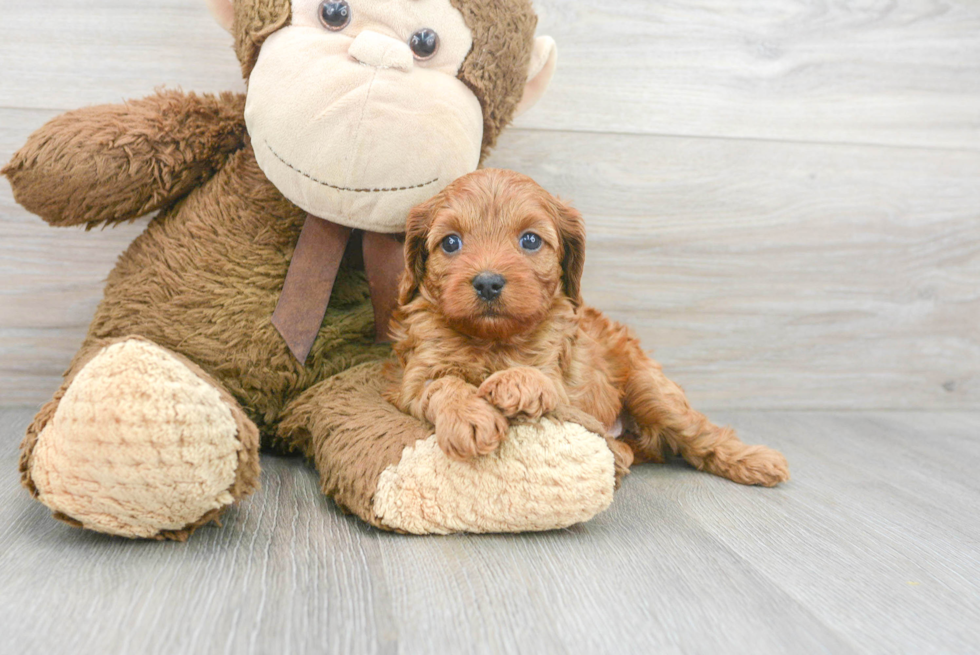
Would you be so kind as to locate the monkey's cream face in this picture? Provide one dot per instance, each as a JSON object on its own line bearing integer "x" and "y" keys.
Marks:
{"x": 354, "y": 118}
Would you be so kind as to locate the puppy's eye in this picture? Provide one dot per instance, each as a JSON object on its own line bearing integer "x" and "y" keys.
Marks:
{"x": 531, "y": 241}
{"x": 451, "y": 244}
{"x": 335, "y": 16}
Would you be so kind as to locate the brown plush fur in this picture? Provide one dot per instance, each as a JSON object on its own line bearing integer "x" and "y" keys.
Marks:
{"x": 113, "y": 163}
{"x": 468, "y": 363}
{"x": 205, "y": 276}
{"x": 204, "y": 280}
{"x": 255, "y": 21}
{"x": 351, "y": 434}
{"x": 496, "y": 68}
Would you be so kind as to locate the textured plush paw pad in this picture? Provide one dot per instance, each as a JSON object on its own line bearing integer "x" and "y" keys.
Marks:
{"x": 138, "y": 445}
{"x": 544, "y": 476}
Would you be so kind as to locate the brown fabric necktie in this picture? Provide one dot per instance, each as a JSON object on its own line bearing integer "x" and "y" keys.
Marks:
{"x": 313, "y": 271}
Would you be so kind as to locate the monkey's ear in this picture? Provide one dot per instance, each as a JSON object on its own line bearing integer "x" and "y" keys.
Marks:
{"x": 571, "y": 230}
{"x": 223, "y": 12}
{"x": 416, "y": 248}
{"x": 544, "y": 60}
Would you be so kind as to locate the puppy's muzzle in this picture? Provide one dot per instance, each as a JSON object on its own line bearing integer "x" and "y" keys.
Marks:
{"x": 489, "y": 286}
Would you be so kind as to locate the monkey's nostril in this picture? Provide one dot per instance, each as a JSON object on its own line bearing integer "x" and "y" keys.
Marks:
{"x": 489, "y": 285}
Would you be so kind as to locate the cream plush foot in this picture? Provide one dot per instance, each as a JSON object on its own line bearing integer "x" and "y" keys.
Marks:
{"x": 387, "y": 467}
{"x": 544, "y": 476}
{"x": 141, "y": 444}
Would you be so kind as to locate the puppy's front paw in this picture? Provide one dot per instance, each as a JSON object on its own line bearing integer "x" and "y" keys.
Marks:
{"x": 520, "y": 391}
{"x": 470, "y": 427}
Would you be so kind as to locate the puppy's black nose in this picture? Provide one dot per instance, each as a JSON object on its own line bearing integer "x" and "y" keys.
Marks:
{"x": 489, "y": 285}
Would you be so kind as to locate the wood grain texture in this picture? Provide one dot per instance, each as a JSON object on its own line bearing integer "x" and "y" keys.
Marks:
{"x": 812, "y": 70}
{"x": 880, "y": 72}
{"x": 770, "y": 274}
{"x": 769, "y": 260}
{"x": 59, "y": 54}
{"x": 50, "y": 281}
{"x": 871, "y": 548}
{"x": 762, "y": 274}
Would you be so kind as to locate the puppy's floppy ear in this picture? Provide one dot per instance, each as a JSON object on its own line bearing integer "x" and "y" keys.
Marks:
{"x": 416, "y": 249}
{"x": 571, "y": 230}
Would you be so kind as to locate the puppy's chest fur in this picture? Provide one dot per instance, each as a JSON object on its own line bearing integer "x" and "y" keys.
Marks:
{"x": 580, "y": 351}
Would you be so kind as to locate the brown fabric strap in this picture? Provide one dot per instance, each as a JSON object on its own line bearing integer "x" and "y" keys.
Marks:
{"x": 309, "y": 283}
{"x": 384, "y": 261}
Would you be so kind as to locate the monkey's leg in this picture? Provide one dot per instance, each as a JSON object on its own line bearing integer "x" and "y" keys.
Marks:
{"x": 387, "y": 467}
{"x": 664, "y": 418}
{"x": 139, "y": 442}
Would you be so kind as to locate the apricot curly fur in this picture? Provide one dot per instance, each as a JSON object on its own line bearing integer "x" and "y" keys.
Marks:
{"x": 521, "y": 391}
{"x": 536, "y": 345}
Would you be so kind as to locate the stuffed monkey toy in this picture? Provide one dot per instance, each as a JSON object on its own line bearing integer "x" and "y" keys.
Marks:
{"x": 252, "y": 310}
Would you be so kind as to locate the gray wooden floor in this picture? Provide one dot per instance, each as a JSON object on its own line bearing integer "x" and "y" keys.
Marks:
{"x": 873, "y": 547}
{"x": 782, "y": 198}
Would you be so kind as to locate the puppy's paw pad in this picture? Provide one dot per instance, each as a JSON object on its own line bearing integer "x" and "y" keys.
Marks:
{"x": 467, "y": 430}
{"x": 520, "y": 391}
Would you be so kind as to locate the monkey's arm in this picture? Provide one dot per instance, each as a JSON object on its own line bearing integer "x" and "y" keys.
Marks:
{"x": 113, "y": 163}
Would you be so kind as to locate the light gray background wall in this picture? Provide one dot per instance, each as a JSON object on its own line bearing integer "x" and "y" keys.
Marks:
{"x": 783, "y": 195}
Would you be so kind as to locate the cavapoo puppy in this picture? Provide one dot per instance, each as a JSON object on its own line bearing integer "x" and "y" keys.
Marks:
{"x": 491, "y": 326}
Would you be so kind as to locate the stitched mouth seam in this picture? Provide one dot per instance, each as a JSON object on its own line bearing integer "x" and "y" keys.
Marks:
{"x": 344, "y": 188}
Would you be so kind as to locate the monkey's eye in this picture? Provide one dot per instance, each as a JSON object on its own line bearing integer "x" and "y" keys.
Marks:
{"x": 451, "y": 244}
{"x": 335, "y": 15}
{"x": 424, "y": 43}
{"x": 531, "y": 241}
